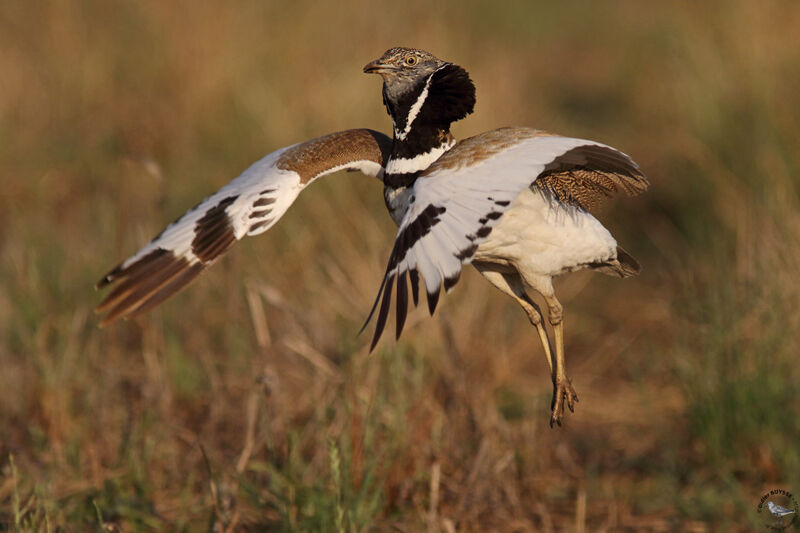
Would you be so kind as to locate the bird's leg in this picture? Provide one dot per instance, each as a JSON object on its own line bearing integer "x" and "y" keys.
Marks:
{"x": 535, "y": 316}
{"x": 511, "y": 284}
{"x": 562, "y": 388}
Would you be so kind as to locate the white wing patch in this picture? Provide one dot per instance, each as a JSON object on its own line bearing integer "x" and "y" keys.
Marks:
{"x": 248, "y": 205}
{"x": 454, "y": 206}
{"x": 260, "y": 177}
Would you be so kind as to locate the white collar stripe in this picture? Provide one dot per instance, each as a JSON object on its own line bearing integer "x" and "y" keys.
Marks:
{"x": 401, "y": 165}
{"x": 414, "y": 111}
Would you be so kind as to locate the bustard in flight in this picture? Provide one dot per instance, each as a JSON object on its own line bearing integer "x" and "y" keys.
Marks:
{"x": 514, "y": 202}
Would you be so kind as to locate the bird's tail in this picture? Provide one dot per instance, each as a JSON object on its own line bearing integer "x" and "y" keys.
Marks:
{"x": 623, "y": 266}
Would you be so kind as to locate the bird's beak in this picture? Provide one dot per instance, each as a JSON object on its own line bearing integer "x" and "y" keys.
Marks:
{"x": 376, "y": 67}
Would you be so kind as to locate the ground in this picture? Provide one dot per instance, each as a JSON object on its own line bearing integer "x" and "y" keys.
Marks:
{"x": 249, "y": 403}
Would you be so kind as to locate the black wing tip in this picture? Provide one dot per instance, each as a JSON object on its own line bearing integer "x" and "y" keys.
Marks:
{"x": 413, "y": 275}
{"x": 383, "y": 313}
{"x": 374, "y": 307}
{"x": 468, "y": 252}
{"x": 433, "y": 299}
{"x": 450, "y": 282}
{"x": 402, "y": 304}
{"x": 110, "y": 277}
{"x": 373, "y": 343}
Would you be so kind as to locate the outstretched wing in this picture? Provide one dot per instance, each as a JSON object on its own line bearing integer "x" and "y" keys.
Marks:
{"x": 459, "y": 199}
{"x": 249, "y": 205}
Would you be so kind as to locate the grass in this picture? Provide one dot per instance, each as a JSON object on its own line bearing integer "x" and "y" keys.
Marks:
{"x": 247, "y": 403}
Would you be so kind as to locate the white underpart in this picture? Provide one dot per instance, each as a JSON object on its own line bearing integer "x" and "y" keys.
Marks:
{"x": 397, "y": 201}
{"x": 413, "y": 112}
{"x": 541, "y": 237}
{"x": 419, "y": 162}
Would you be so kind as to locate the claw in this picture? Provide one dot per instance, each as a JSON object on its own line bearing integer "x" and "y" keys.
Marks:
{"x": 572, "y": 398}
{"x": 562, "y": 391}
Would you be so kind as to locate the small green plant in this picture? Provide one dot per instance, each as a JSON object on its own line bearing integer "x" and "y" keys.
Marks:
{"x": 336, "y": 474}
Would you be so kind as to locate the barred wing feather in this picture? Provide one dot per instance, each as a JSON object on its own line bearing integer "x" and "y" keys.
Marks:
{"x": 459, "y": 199}
{"x": 249, "y": 205}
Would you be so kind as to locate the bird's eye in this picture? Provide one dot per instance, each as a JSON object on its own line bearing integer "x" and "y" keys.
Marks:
{"x": 411, "y": 61}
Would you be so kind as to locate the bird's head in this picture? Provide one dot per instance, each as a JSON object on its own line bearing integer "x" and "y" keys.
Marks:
{"x": 403, "y": 69}
{"x": 407, "y": 71}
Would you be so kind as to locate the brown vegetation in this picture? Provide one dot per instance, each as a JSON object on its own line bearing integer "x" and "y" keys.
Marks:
{"x": 247, "y": 402}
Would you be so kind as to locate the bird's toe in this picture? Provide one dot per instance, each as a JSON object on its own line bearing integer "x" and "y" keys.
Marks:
{"x": 563, "y": 394}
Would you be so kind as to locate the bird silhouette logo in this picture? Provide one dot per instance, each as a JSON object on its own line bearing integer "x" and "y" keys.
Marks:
{"x": 778, "y": 510}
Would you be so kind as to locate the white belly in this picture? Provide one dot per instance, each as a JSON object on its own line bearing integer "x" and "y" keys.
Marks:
{"x": 546, "y": 238}
{"x": 397, "y": 201}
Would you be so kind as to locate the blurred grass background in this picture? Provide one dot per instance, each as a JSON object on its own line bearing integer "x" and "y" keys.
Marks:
{"x": 248, "y": 403}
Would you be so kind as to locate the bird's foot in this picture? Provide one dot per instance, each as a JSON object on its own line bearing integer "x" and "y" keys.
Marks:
{"x": 562, "y": 393}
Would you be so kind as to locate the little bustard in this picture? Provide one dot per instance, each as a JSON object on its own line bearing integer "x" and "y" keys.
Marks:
{"x": 514, "y": 202}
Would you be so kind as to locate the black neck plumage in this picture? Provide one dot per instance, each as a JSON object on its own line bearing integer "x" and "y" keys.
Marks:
{"x": 421, "y": 141}
{"x": 422, "y": 118}
{"x": 400, "y": 180}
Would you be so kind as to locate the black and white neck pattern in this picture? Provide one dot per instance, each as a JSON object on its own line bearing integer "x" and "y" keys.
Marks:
{"x": 401, "y": 173}
{"x": 421, "y": 121}
{"x": 402, "y": 170}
